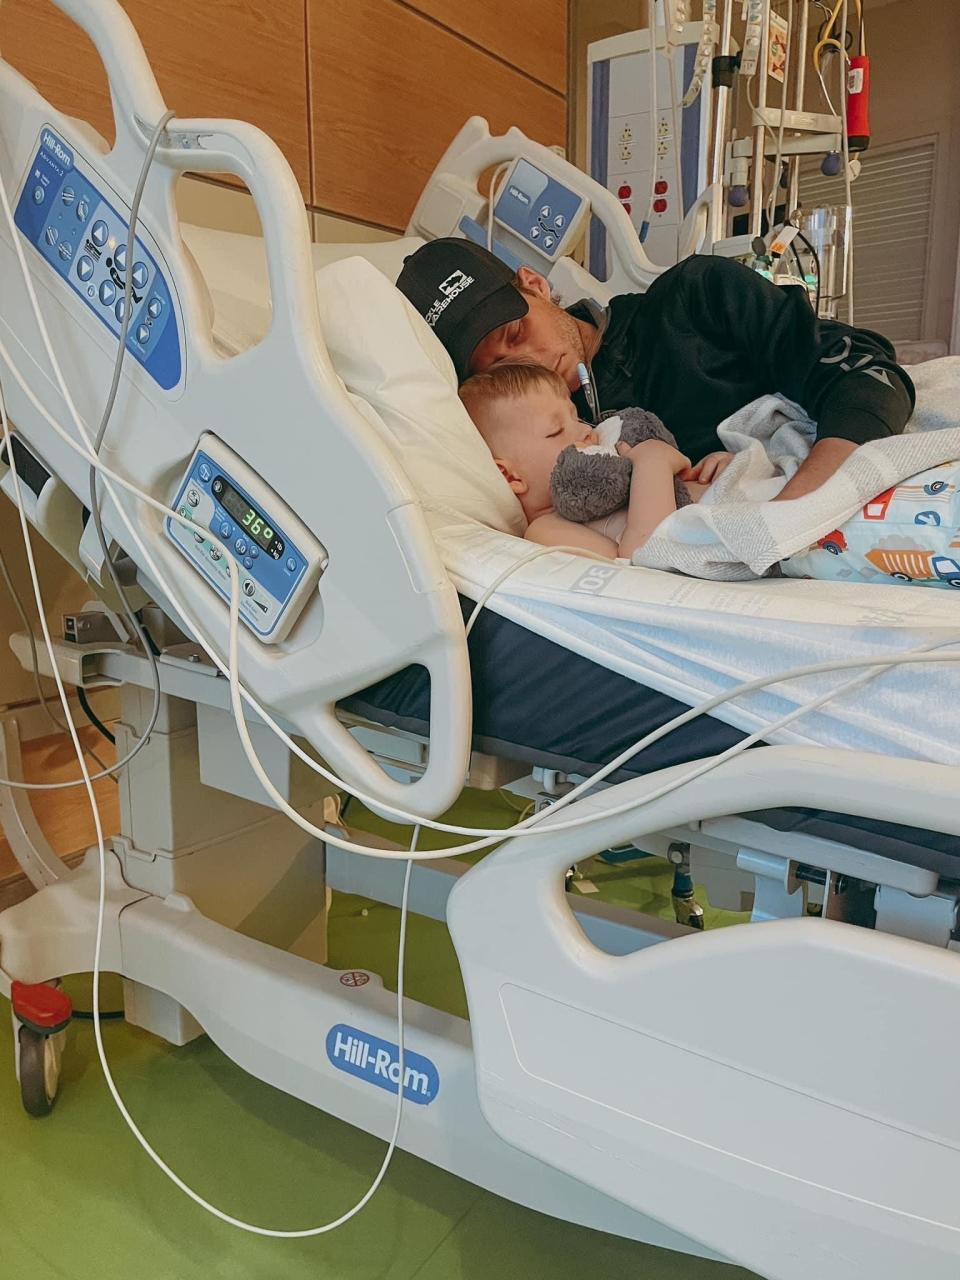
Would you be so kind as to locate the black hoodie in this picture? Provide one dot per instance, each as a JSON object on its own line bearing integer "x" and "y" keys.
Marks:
{"x": 710, "y": 335}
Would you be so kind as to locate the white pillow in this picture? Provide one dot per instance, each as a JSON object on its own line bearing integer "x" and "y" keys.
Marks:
{"x": 388, "y": 355}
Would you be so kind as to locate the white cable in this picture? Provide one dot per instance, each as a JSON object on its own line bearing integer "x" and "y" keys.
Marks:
{"x": 237, "y": 695}
{"x": 98, "y": 946}
{"x": 237, "y": 692}
{"x": 492, "y": 199}
{"x": 654, "y": 113}
{"x": 845, "y": 136}
{"x": 778, "y": 159}
{"x": 34, "y": 660}
{"x": 710, "y": 704}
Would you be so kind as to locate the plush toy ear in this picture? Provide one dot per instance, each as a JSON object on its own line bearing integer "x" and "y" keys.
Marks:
{"x": 638, "y": 425}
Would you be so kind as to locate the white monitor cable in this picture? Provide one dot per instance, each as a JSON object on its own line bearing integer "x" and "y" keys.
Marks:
{"x": 238, "y": 692}
{"x": 238, "y": 695}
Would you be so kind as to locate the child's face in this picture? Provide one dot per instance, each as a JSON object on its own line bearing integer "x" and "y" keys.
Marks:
{"x": 538, "y": 426}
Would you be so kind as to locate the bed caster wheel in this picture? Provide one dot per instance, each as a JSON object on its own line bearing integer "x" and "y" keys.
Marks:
{"x": 42, "y": 1013}
{"x": 38, "y": 1065}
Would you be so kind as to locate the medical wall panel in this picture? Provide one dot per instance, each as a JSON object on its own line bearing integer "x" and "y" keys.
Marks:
{"x": 531, "y": 35}
{"x": 389, "y": 88}
{"x": 234, "y": 58}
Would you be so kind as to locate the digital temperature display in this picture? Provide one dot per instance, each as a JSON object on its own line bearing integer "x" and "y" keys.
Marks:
{"x": 248, "y": 518}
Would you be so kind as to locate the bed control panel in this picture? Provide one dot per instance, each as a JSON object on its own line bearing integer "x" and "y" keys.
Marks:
{"x": 539, "y": 209}
{"x": 75, "y": 223}
{"x": 278, "y": 558}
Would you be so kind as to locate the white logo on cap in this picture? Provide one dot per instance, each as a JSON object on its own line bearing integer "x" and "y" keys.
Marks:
{"x": 454, "y": 284}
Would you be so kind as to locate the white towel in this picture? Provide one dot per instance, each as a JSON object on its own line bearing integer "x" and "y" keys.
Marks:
{"x": 736, "y": 532}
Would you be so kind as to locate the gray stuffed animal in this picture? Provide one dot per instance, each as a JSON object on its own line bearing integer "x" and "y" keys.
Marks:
{"x": 590, "y": 486}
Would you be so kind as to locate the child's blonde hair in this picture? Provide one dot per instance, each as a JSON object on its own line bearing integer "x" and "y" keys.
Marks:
{"x": 508, "y": 382}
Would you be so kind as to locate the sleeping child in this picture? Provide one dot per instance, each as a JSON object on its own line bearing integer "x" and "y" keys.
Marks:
{"x": 612, "y": 505}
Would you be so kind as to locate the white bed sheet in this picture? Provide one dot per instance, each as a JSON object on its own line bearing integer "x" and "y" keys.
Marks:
{"x": 684, "y": 637}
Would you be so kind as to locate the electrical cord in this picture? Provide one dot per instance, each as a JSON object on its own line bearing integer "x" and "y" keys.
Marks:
{"x": 96, "y": 1017}
{"x": 95, "y": 510}
{"x": 231, "y": 670}
{"x": 492, "y": 199}
{"x": 237, "y": 697}
{"x": 874, "y": 663}
{"x": 654, "y": 116}
{"x": 34, "y": 658}
{"x": 816, "y": 260}
{"x": 92, "y": 716}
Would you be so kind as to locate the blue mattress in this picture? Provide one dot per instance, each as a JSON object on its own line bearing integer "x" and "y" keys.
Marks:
{"x": 539, "y": 703}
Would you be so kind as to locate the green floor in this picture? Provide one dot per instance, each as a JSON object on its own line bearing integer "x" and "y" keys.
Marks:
{"x": 79, "y": 1200}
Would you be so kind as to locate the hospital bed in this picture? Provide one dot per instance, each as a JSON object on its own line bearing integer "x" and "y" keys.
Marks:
{"x": 778, "y": 1096}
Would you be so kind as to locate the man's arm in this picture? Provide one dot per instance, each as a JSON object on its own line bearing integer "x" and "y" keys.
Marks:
{"x": 846, "y": 379}
{"x": 826, "y": 457}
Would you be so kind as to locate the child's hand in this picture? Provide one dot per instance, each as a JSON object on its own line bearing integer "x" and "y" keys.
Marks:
{"x": 648, "y": 451}
{"x": 708, "y": 469}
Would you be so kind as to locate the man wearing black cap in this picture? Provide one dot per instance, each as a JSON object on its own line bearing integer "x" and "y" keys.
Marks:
{"x": 706, "y": 338}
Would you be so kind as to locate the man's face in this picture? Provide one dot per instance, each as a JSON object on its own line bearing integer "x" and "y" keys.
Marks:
{"x": 546, "y": 335}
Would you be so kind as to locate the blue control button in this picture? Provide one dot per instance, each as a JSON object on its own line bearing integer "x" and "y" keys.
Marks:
{"x": 66, "y": 250}
{"x": 534, "y": 232}
{"x": 83, "y": 209}
{"x": 84, "y": 267}
{"x": 545, "y": 211}
{"x": 120, "y": 310}
{"x": 120, "y": 257}
{"x": 139, "y": 274}
{"x": 154, "y": 307}
{"x": 291, "y": 565}
{"x": 51, "y": 235}
{"x": 143, "y": 335}
{"x": 38, "y": 194}
{"x": 548, "y": 242}
{"x": 108, "y": 291}
{"x": 247, "y": 562}
{"x": 241, "y": 547}
{"x": 68, "y": 195}
{"x": 204, "y": 472}
{"x": 99, "y": 233}
{"x": 254, "y": 550}
{"x": 226, "y": 529}
{"x": 559, "y": 221}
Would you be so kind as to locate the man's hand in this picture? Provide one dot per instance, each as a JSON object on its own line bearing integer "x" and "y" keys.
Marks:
{"x": 826, "y": 457}
{"x": 654, "y": 451}
{"x": 707, "y": 469}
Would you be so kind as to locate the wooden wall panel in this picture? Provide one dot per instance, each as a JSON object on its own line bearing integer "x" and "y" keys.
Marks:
{"x": 235, "y": 58}
{"x": 388, "y": 90}
{"x": 530, "y": 35}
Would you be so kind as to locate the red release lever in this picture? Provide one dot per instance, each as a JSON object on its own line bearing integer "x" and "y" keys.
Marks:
{"x": 40, "y": 1006}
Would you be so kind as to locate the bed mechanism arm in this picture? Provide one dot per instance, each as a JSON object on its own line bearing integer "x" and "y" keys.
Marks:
{"x": 384, "y": 600}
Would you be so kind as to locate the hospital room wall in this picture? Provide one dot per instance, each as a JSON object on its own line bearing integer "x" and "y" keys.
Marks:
{"x": 361, "y": 97}
{"x": 916, "y": 94}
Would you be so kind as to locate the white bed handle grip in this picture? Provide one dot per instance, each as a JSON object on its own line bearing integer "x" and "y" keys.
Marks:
{"x": 133, "y": 85}
{"x": 211, "y": 146}
{"x": 295, "y": 345}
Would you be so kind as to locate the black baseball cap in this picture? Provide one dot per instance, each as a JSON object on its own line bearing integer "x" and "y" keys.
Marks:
{"x": 463, "y": 292}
